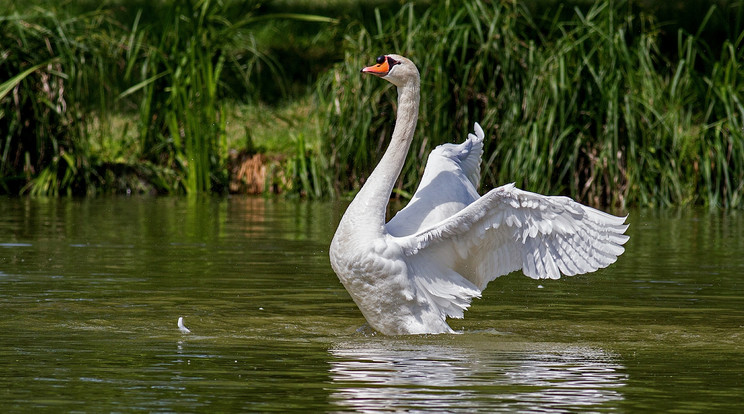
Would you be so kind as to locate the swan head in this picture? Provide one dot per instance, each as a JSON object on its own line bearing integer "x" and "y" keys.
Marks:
{"x": 395, "y": 69}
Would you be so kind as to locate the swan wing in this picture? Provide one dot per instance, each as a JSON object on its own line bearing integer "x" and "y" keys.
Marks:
{"x": 449, "y": 183}
{"x": 440, "y": 291}
{"x": 468, "y": 154}
{"x": 510, "y": 229}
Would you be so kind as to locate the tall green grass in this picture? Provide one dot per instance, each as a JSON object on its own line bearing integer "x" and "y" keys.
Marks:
{"x": 586, "y": 105}
{"x": 65, "y": 80}
{"x": 181, "y": 119}
{"x": 603, "y": 102}
{"x": 180, "y": 64}
{"x": 42, "y": 147}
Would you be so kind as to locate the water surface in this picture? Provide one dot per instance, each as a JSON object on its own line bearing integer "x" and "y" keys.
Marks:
{"x": 90, "y": 292}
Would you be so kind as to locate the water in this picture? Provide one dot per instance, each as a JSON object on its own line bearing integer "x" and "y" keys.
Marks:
{"x": 91, "y": 290}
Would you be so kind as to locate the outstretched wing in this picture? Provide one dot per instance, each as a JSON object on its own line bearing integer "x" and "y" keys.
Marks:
{"x": 509, "y": 229}
{"x": 468, "y": 154}
{"x": 449, "y": 183}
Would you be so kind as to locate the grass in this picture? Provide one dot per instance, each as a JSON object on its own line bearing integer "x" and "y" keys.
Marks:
{"x": 603, "y": 102}
{"x": 174, "y": 67}
{"x": 182, "y": 89}
{"x": 271, "y": 129}
{"x": 42, "y": 141}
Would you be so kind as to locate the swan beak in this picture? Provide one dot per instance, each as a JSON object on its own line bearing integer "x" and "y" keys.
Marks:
{"x": 381, "y": 69}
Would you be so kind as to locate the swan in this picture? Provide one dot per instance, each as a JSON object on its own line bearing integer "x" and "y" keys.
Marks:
{"x": 407, "y": 276}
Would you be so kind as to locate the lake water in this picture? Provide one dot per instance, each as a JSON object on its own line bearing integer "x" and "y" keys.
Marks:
{"x": 91, "y": 290}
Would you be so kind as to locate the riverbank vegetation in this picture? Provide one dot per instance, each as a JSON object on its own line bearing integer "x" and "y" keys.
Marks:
{"x": 613, "y": 103}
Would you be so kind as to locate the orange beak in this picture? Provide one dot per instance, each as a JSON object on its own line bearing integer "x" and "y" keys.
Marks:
{"x": 380, "y": 69}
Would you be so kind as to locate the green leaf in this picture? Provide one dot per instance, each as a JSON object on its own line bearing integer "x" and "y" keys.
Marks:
{"x": 11, "y": 83}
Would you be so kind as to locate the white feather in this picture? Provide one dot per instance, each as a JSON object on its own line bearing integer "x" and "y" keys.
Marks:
{"x": 181, "y": 326}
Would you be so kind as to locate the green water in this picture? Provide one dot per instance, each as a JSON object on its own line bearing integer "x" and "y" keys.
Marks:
{"x": 91, "y": 290}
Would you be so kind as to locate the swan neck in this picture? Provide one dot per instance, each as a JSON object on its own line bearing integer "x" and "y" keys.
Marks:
{"x": 374, "y": 196}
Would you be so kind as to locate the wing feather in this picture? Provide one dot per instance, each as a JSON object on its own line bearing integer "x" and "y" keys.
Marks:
{"x": 448, "y": 185}
{"x": 509, "y": 229}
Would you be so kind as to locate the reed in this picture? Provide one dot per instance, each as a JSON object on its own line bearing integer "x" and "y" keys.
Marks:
{"x": 59, "y": 100}
{"x": 41, "y": 146}
{"x": 586, "y": 105}
{"x": 178, "y": 68}
{"x": 582, "y": 102}
{"x": 66, "y": 79}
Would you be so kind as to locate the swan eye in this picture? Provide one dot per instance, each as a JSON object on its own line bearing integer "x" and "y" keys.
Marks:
{"x": 392, "y": 62}
{"x": 380, "y": 59}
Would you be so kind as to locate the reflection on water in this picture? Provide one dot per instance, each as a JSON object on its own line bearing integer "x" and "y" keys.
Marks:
{"x": 382, "y": 376}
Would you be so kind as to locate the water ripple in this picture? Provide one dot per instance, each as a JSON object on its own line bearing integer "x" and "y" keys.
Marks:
{"x": 376, "y": 377}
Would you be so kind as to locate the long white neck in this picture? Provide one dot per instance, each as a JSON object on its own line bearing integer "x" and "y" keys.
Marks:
{"x": 369, "y": 206}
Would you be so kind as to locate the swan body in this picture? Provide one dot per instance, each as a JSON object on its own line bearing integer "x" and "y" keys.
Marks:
{"x": 427, "y": 263}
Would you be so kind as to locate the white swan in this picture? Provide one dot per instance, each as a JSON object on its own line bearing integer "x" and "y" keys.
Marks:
{"x": 442, "y": 249}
